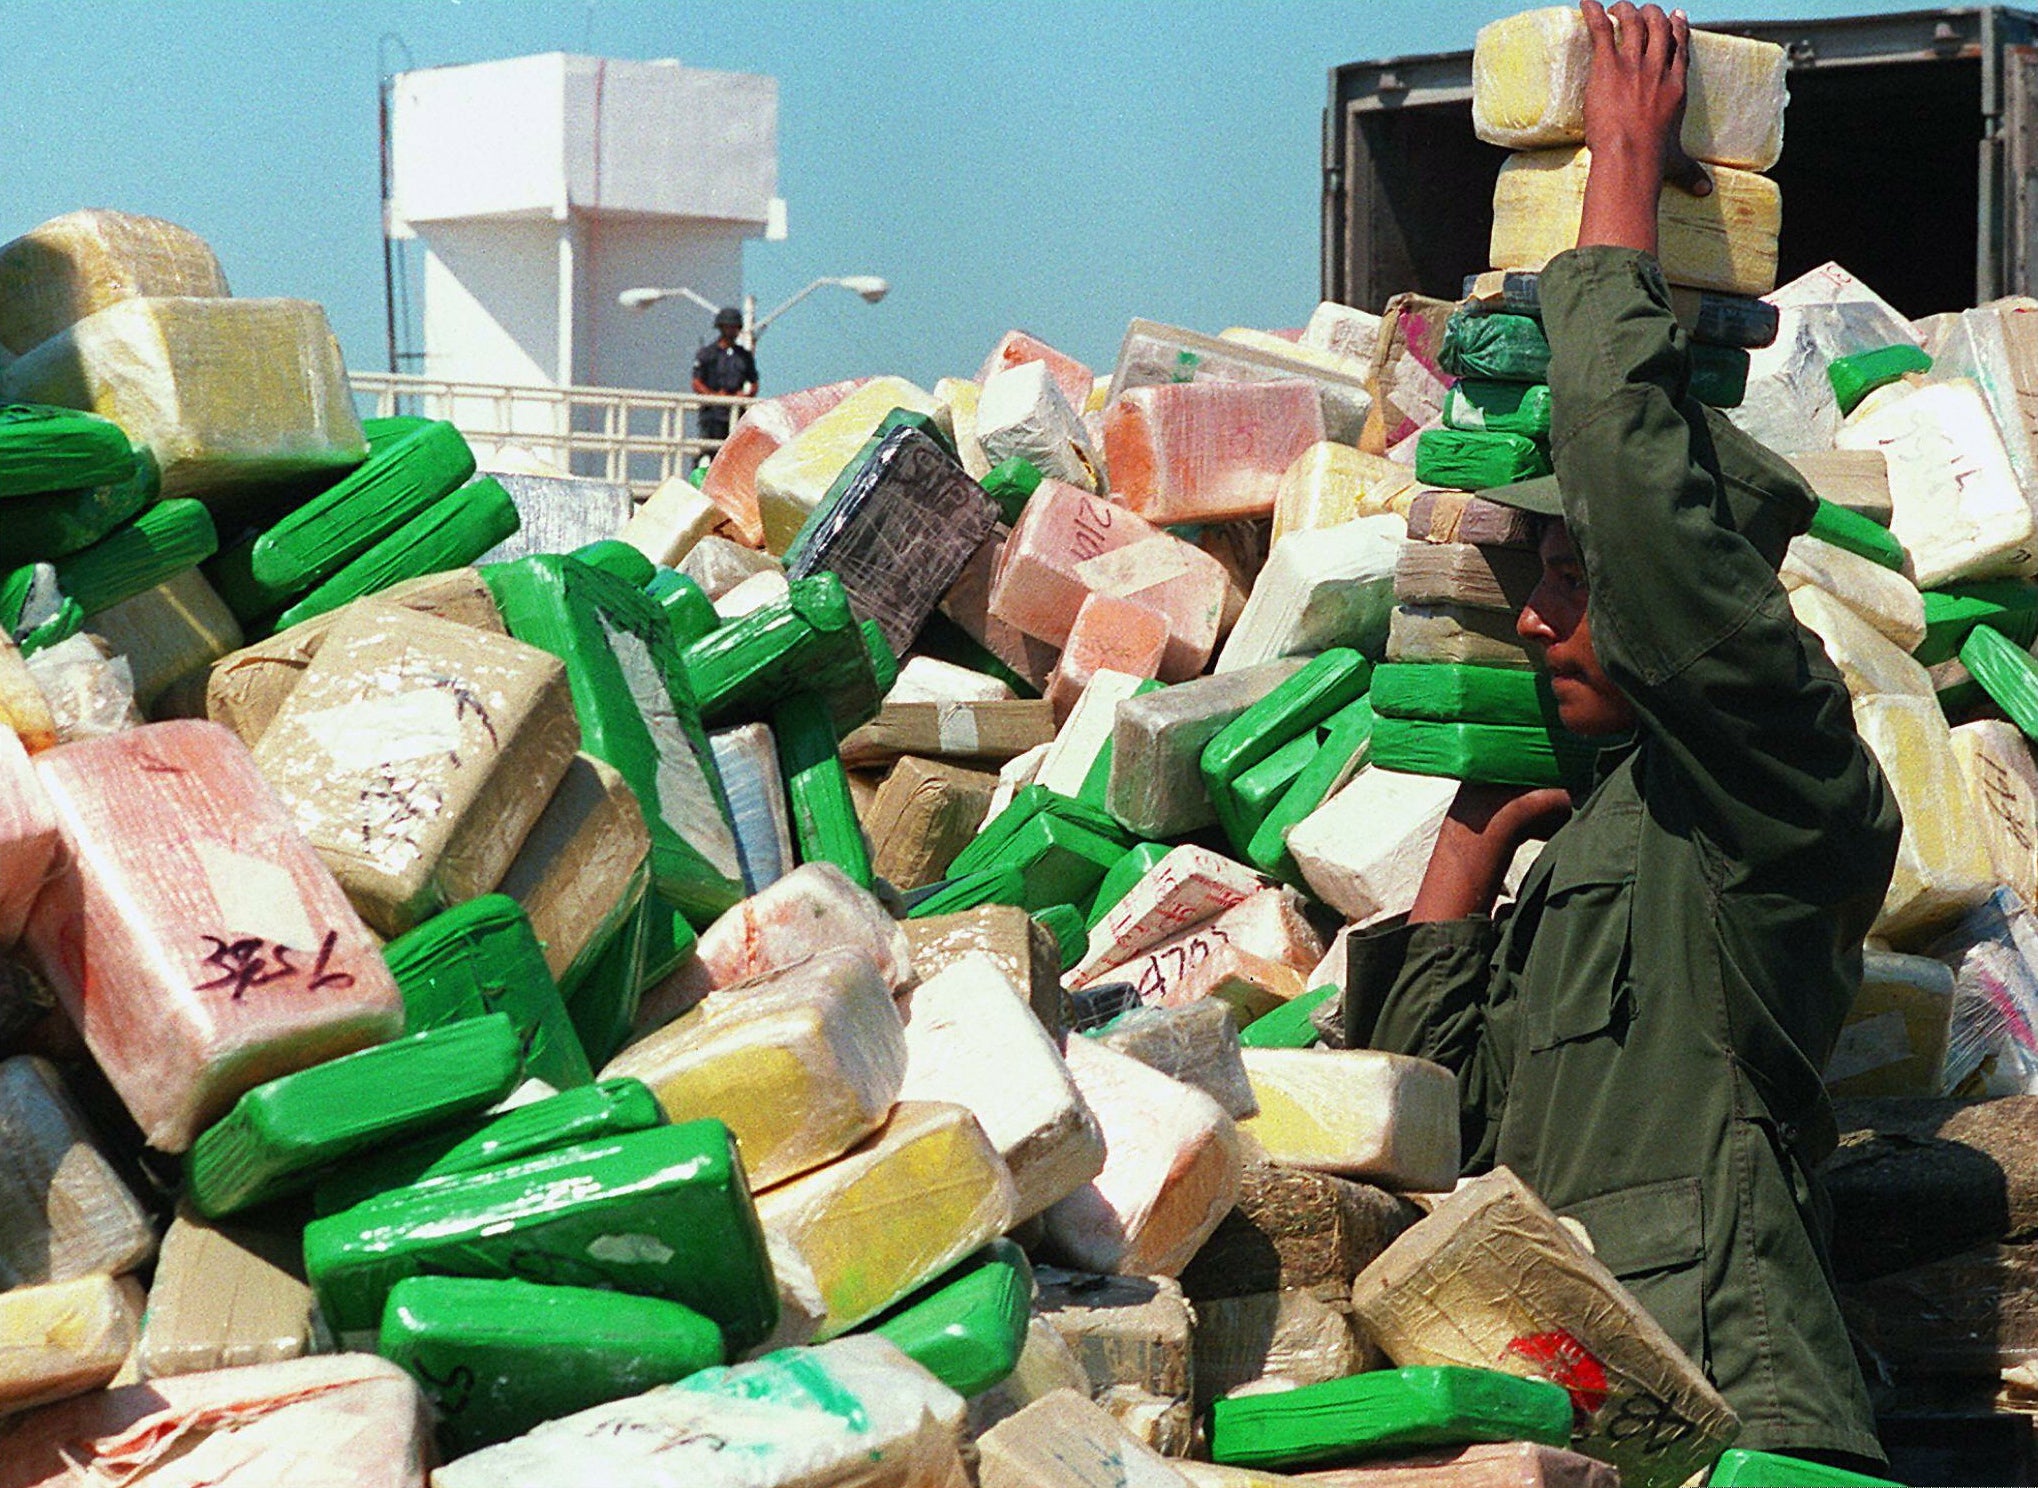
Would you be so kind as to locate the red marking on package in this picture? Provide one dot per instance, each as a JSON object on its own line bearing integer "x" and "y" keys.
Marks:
{"x": 1563, "y": 1360}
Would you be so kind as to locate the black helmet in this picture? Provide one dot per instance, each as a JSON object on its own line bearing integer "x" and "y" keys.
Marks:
{"x": 731, "y": 318}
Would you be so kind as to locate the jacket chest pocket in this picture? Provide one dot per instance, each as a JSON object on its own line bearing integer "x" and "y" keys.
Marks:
{"x": 1576, "y": 969}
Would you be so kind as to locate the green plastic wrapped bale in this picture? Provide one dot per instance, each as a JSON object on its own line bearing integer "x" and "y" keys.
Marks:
{"x": 56, "y": 524}
{"x": 1467, "y": 461}
{"x": 1328, "y": 684}
{"x": 587, "y": 1113}
{"x": 446, "y": 535}
{"x": 160, "y": 543}
{"x": 1387, "y": 1411}
{"x": 968, "y": 890}
{"x": 825, "y": 825}
{"x": 2007, "y": 673}
{"x": 2009, "y": 606}
{"x": 1287, "y": 1026}
{"x": 1010, "y": 484}
{"x": 805, "y": 641}
{"x": 992, "y": 846}
{"x": 1453, "y": 692}
{"x": 496, "y": 1358}
{"x": 1481, "y": 405}
{"x": 412, "y": 464}
{"x": 1855, "y": 377}
{"x": 1490, "y": 753}
{"x": 687, "y": 606}
{"x": 59, "y": 449}
{"x": 636, "y": 715}
{"x": 1121, "y": 877}
{"x": 481, "y": 957}
{"x": 1258, "y": 790}
{"x": 1719, "y": 375}
{"x": 280, "y": 1135}
{"x": 658, "y": 1213}
{"x": 615, "y": 557}
{"x": 1059, "y": 861}
{"x": 35, "y": 610}
{"x": 1506, "y": 348}
{"x": 1741, "y": 1468}
{"x": 1066, "y": 923}
{"x": 1857, "y": 534}
{"x": 967, "y": 1328}
{"x": 1348, "y": 736}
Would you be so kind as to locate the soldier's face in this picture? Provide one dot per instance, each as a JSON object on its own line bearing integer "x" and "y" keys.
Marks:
{"x": 1555, "y": 619}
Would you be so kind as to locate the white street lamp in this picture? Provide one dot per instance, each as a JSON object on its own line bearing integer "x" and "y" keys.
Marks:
{"x": 867, "y": 287}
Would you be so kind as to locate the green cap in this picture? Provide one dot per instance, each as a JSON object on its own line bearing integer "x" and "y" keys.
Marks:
{"x": 1537, "y": 495}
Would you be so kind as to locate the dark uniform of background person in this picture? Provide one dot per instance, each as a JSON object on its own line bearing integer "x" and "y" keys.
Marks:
{"x": 1641, "y": 1037}
{"x": 722, "y": 366}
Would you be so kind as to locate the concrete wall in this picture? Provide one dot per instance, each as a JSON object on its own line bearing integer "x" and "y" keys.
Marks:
{"x": 544, "y": 186}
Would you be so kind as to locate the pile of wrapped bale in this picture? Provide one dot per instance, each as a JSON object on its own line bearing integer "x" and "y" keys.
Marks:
{"x": 816, "y": 979}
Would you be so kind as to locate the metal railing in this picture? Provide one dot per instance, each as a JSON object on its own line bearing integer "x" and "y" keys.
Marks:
{"x": 631, "y": 436}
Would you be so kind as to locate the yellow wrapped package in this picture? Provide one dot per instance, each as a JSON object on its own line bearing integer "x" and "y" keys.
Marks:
{"x": 671, "y": 521}
{"x": 65, "y": 1338}
{"x": 1725, "y": 241}
{"x": 958, "y": 398}
{"x": 244, "y": 690}
{"x": 1894, "y": 1039}
{"x": 415, "y": 755}
{"x": 1870, "y": 663}
{"x": 55, "y": 275}
{"x": 794, "y": 478}
{"x": 1942, "y": 862}
{"x": 1881, "y": 596}
{"x": 1330, "y": 484}
{"x": 166, "y": 633}
{"x": 1387, "y": 1118}
{"x": 2002, "y": 787}
{"x": 1528, "y": 89}
{"x": 801, "y": 1064}
{"x": 225, "y": 1295}
{"x": 849, "y": 1239}
{"x": 230, "y": 396}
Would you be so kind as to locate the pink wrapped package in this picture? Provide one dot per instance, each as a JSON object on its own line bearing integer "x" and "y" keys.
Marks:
{"x": 1269, "y": 924}
{"x": 332, "y": 1421}
{"x": 28, "y": 837}
{"x": 732, "y": 478}
{"x": 1016, "y": 348}
{"x": 1110, "y": 635}
{"x": 1187, "y": 887}
{"x": 1171, "y": 1169}
{"x": 1070, "y": 544}
{"x": 1208, "y": 451}
{"x": 968, "y": 604}
{"x": 196, "y": 940}
{"x": 816, "y": 907}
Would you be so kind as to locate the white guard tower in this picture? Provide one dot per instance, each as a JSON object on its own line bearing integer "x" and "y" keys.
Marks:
{"x": 541, "y": 187}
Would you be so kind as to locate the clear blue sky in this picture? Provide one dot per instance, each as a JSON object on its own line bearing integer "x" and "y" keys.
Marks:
{"x": 1063, "y": 167}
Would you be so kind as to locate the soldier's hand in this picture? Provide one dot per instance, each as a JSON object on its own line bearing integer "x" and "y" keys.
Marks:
{"x": 1485, "y": 827}
{"x": 1635, "y": 90}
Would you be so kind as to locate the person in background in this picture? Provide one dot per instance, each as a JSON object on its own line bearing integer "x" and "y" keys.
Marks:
{"x": 1641, "y": 1036}
{"x": 722, "y": 366}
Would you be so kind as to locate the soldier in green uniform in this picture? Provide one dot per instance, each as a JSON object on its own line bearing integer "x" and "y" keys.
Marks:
{"x": 1641, "y": 1036}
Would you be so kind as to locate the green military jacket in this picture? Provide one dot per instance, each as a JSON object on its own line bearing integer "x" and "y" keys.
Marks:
{"x": 1641, "y": 1037}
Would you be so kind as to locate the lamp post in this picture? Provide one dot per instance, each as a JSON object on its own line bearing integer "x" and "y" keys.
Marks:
{"x": 867, "y": 287}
